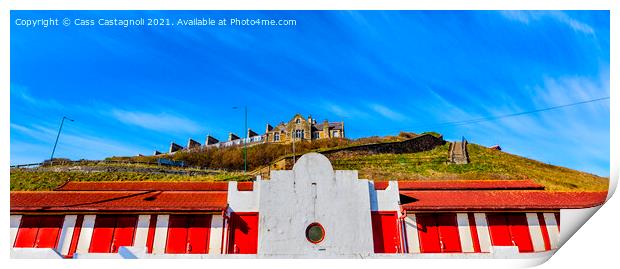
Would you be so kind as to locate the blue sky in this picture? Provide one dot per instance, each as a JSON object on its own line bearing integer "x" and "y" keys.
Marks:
{"x": 134, "y": 90}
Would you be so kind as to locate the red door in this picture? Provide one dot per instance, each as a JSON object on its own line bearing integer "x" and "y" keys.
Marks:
{"x": 243, "y": 237}
{"x": 188, "y": 234}
{"x": 498, "y": 229}
{"x": 39, "y": 232}
{"x": 112, "y": 232}
{"x": 520, "y": 231}
{"x": 448, "y": 233}
{"x": 438, "y": 233}
{"x": 428, "y": 233}
{"x": 385, "y": 232}
{"x": 510, "y": 229}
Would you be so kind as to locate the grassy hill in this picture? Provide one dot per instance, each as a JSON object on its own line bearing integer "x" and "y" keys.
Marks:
{"x": 484, "y": 163}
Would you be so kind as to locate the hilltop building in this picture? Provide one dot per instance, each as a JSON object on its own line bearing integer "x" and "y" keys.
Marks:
{"x": 297, "y": 129}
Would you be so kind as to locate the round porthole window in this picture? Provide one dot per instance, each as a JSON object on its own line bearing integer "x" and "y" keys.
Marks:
{"x": 315, "y": 233}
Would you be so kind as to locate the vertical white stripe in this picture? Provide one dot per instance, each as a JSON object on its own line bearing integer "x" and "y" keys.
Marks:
{"x": 467, "y": 244}
{"x": 215, "y": 234}
{"x": 411, "y": 229}
{"x": 142, "y": 230}
{"x": 161, "y": 234}
{"x": 66, "y": 234}
{"x": 15, "y": 222}
{"x": 86, "y": 234}
{"x": 552, "y": 229}
{"x": 535, "y": 232}
{"x": 482, "y": 227}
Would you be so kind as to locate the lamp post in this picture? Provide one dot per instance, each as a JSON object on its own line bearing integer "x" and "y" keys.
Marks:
{"x": 57, "y": 136}
{"x": 245, "y": 145}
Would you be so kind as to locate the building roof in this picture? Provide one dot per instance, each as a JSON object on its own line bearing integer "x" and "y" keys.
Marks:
{"x": 498, "y": 199}
{"x": 82, "y": 201}
{"x": 150, "y": 185}
{"x": 463, "y": 185}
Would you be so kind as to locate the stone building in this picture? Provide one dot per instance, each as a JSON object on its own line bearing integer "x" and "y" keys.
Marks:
{"x": 302, "y": 129}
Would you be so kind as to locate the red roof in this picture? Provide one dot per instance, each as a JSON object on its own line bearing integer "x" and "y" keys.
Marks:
{"x": 502, "y": 200}
{"x": 524, "y": 184}
{"x": 151, "y": 185}
{"x": 119, "y": 201}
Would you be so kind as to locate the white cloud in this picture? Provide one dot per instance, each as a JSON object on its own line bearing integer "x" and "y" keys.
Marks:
{"x": 387, "y": 112}
{"x": 527, "y": 17}
{"x": 161, "y": 122}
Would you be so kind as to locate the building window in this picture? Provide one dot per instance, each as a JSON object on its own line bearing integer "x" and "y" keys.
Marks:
{"x": 299, "y": 134}
{"x": 276, "y": 137}
{"x": 335, "y": 134}
{"x": 315, "y": 233}
{"x": 298, "y": 121}
{"x": 316, "y": 135}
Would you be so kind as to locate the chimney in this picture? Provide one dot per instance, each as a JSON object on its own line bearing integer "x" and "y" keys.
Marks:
{"x": 232, "y": 136}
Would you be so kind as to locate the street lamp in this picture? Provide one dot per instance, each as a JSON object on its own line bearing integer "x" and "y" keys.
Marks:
{"x": 245, "y": 146}
{"x": 57, "y": 136}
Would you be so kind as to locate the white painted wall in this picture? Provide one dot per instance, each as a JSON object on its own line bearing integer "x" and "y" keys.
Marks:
{"x": 482, "y": 227}
{"x": 16, "y": 220}
{"x": 384, "y": 200}
{"x": 161, "y": 234}
{"x": 411, "y": 230}
{"x": 215, "y": 235}
{"x": 314, "y": 192}
{"x": 142, "y": 231}
{"x": 86, "y": 233}
{"x": 535, "y": 231}
{"x": 467, "y": 243}
{"x": 243, "y": 201}
{"x": 66, "y": 234}
{"x": 552, "y": 229}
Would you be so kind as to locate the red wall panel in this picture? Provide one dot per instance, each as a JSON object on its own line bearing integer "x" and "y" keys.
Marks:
{"x": 243, "y": 233}
{"x": 112, "y": 232}
{"x": 428, "y": 233}
{"x": 510, "y": 229}
{"x": 474, "y": 232}
{"x": 39, "y": 231}
{"x": 188, "y": 234}
{"x": 27, "y": 232}
{"x": 520, "y": 232}
{"x": 150, "y": 238}
{"x": 543, "y": 229}
{"x": 76, "y": 235}
{"x": 448, "y": 232}
{"x": 49, "y": 231}
{"x": 385, "y": 232}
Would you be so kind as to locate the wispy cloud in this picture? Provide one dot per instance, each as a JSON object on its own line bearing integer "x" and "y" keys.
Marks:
{"x": 527, "y": 17}
{"x": 162, "y": 122}
{"x": 22, "y": 93}
{"x": 387, "y": 112}
{"x": 70, "y": 145}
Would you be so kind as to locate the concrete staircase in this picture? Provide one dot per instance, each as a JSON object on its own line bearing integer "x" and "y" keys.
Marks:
{"x": 458, "y": 152}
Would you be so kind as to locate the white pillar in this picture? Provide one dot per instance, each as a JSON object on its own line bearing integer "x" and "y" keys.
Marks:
{"x": 467, "y": 244}
{"x": 142, "y": 230}
{"x": 482, "y": 227}
{"x": 411, "y": 229}
{"x": 161, "y": 234}
{"x": 215, "y": 234}
{"x": 535, "y": 232}
{"x": 66, "y": 234}
{"x": 86, "y": 234}
{"x": 552, "y": 229}
{"x": 15, "y": 222}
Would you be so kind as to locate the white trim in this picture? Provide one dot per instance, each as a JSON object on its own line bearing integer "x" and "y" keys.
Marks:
{"x": 66, "y": 234}
{"x": 411, "y": 229}
{"x": 142, "y": 231}
{"x": 535, "y": 232}
{"x": 16, "y": 220}
{"x": 467, "y": 243}
{"x": 161, "y": 234}
{"x": 482, "y": 227}
{"x": 552, "y": 230}
{"x": 86, "y": 233}
{"x": 215, "y": 234}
